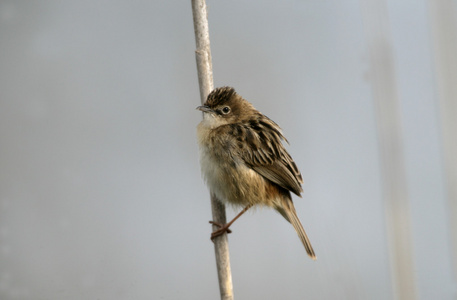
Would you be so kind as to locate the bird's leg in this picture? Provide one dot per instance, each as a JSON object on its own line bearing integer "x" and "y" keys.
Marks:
{"x": 225, "y": 228}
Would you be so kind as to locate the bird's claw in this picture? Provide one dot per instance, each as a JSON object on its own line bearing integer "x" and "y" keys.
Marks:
{"x": 222, "y": 229}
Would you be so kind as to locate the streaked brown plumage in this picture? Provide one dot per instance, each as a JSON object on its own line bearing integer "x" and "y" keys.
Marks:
{"x": 244, "y": 161}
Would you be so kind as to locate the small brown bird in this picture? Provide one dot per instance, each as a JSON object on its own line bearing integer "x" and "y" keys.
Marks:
{"x": 244, "y": 161}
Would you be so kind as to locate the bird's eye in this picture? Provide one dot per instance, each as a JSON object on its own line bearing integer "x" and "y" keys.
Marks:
{"x": 226, "y": 110}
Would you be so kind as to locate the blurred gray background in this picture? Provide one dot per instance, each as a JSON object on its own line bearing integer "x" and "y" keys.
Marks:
{"x": 100, "y": 189}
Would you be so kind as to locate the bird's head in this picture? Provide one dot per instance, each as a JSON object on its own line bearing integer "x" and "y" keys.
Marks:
{"x": 224, "y": 106}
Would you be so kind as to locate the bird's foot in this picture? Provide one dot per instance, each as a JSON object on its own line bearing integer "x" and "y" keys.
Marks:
{"x": 222, "y": 229}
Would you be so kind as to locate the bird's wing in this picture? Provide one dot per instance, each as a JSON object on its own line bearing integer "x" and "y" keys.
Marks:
{"x": 260, "y": 146}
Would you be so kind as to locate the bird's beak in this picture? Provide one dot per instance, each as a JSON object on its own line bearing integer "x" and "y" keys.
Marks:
{"x": 204, "y": 108}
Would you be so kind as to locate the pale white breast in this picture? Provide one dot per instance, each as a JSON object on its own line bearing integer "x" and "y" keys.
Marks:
{"x": 213, "y": 174}
{"x": 211, "y": 167}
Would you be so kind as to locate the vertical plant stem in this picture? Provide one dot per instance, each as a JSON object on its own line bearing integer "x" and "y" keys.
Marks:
{"x": 397, "y": 206}
{"x": 205, "y": 80}
{"x": 444, "y": 36}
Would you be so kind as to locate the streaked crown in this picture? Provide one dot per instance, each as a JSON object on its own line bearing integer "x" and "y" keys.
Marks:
{"x": 220, "y": 96}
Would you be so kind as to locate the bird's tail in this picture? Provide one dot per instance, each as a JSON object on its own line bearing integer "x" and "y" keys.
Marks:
{"x": 289, "y": 213}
